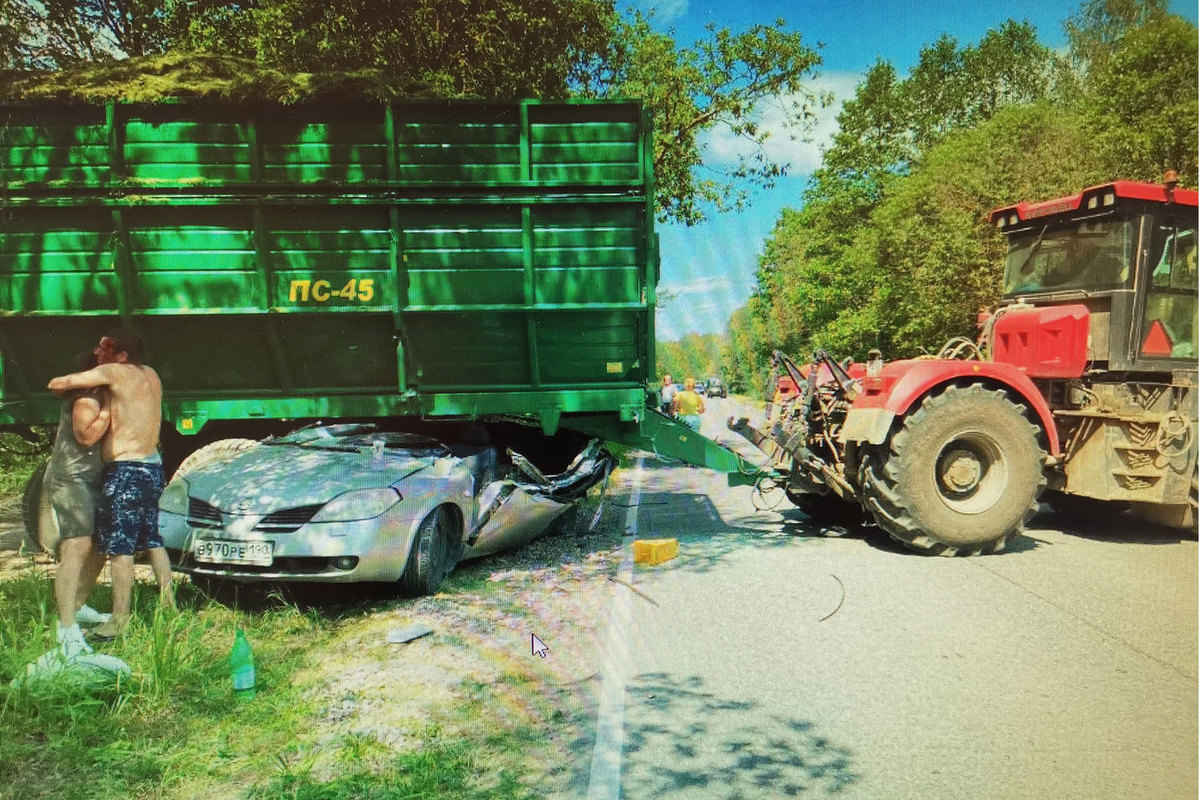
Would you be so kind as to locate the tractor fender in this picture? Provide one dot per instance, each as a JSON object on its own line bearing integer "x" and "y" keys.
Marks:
{"x": 901, "y": 384}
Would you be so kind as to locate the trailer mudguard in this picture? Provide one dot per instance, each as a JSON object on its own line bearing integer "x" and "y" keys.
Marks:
{"x": 902, "y": 384}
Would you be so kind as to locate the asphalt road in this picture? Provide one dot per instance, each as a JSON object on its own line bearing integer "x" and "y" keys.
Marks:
{"x": 772, "y": 659}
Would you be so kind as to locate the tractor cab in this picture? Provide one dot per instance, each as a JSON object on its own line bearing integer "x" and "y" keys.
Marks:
{"x": 1127, "y": 253}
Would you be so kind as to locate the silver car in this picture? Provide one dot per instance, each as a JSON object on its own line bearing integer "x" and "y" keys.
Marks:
{"x": 348, "y": 503}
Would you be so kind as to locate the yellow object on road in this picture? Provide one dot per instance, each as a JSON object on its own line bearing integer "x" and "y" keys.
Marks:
{"x": 655, "y": 551}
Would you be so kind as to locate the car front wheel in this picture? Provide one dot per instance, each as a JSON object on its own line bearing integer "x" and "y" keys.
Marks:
{"x": 431, "y": 556}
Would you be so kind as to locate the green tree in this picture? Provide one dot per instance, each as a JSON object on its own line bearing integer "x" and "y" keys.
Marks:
{"x": 1141, "y": 104}
{"x": 16, "y": 33}
{"x": 695, "y": 355}
{"x": 63, "y": 33}
{"x": 747, "y": 351}
{"x": 452, "y": 48}
{"x": 1094, "y": 30}
{"x": 484, "y": 48}
{"x": 930, "y": 257}
{"x": 722, "y": 81}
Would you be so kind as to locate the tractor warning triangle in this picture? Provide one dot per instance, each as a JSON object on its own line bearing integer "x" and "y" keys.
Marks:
{"x": 1158, "y": 341}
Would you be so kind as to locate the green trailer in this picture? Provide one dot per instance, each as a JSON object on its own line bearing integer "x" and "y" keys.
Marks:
{"x": 427, "y": 260}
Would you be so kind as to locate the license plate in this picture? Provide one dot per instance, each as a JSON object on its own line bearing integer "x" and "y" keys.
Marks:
{"x": 221, "y": 551}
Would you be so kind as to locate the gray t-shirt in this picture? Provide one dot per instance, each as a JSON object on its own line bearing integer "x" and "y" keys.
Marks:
{"x": 72, "y": 481}
{"x": 71, "y": 462}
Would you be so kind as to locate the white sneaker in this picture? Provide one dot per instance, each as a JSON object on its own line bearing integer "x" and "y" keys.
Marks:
{"x": 71, "y": 642}
{"x": 90, "y": 616}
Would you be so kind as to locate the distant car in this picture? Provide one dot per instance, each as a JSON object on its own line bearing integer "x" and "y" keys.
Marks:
{"x": 347, "y": 503}
{"x": 716, "y": 388}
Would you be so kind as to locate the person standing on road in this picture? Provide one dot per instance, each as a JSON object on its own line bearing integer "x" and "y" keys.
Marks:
{"x": 668, "y": 395}
{"x": 689, "y": 405}
{"x": 71, "y": 486}
{"x": 132, "y": 478}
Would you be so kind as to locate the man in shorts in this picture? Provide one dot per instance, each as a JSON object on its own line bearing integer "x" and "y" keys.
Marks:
{"x": 71, "y": 491}
{"x": 132, "y": 479}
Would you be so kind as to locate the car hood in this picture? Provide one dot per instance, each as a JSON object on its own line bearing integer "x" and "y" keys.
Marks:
{"x": 272, "y": 477}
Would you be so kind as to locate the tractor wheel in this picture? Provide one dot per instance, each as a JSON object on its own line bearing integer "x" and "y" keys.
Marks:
{"x": 31, "y": 509}
{"x": 430, "y": 558}
{"x": 960, "y": 476}
{"x": 220, "y": 450}
{"x": 825, "y": 509}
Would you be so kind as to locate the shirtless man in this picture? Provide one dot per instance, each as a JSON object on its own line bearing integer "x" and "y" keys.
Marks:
{"x": 127, "y": 517}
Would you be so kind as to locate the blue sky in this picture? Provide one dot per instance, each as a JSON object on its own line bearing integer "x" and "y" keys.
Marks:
{"x": 710, "y": 267}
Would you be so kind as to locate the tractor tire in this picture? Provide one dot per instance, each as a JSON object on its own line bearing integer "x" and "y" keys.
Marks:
{"x": 825, "y": 509}
{"x": 213, "y": 452}
{"x": 961, "y": 474}
{"x": 431, "y": 556}
{"x": 31, "y": 509}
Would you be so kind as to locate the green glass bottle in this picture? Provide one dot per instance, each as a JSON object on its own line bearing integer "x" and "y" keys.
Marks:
{"x": 241, "y": 667}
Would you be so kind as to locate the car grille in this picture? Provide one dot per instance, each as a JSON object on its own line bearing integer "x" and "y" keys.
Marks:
{"x": 287, "y": 520}
{"x": 204, "y": 515}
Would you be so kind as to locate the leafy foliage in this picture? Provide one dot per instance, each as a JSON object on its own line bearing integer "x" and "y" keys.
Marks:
{"x": 51, "y": 34}
{"x": 891, "y": 248}
{"x": 1142, "y": 107}
{"x": 291, "y": 50}
{"x": 148, "y": 79}
{"x": 721, "y": 81}
{"x": 694, "y": 356}
{"x": 454, "y": 47}
{"x": 1096, "y": 28}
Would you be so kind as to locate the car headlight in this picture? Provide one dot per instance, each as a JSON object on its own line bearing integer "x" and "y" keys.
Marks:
{"x": 359, "y": 504}
{"x": 174, "y": 498}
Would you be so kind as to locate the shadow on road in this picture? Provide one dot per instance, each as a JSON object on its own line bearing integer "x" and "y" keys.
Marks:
{"x": 706, "y": 537}
{"x": 683, "y": 740}
{"x": 1122, "y": 527}
{"x": 798, "y": 523}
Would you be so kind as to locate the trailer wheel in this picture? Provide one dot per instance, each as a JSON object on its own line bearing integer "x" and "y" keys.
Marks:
{"x": 960, "y": 476}
{"x": 220, "y": 450}
{"x": 31, "y": 508}
{"x": 825, "y": 509}
{"x": 430, "y": 558}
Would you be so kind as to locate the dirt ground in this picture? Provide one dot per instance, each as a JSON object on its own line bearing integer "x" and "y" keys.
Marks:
{"x": 479, "y": 654}
{"x": 15, "y": 559}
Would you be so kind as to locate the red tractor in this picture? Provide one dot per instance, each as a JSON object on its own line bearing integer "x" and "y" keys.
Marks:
{"x": 1083, "y": 384}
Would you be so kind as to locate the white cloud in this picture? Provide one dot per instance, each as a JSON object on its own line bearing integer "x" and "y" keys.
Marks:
{"x": 704, "y": 285}
{"x": 665, "y": 12}
{"x": 800, "y": 150}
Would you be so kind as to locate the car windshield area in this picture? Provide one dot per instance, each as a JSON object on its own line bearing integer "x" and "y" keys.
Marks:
{"x": 1088, "y": 256}
{"x": 361, "y": 437}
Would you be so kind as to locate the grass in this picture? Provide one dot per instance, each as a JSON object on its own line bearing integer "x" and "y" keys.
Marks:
{"x": 174, "y": 729}
{"x": 18, "y": 459}
{"x": 171, "y": 720}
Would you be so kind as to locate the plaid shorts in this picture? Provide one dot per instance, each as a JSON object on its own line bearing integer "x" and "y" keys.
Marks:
{"x": 127, "y": 516}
